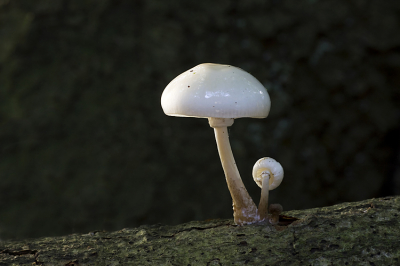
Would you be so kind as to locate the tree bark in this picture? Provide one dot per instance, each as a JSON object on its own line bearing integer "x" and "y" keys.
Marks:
{"x": 357, "y": 233}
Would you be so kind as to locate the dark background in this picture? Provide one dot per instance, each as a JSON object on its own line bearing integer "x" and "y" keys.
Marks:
{"x": 85, "y": 145}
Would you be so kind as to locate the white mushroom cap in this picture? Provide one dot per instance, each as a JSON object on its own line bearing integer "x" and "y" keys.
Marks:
{"x": 214, "y": 90}
{"x": 271, "y": 167}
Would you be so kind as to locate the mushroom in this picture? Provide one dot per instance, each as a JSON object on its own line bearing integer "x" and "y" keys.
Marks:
{"x": 275, "y": 210}
{"x": 268, "y": 175}
{"x": 220, "y": 93}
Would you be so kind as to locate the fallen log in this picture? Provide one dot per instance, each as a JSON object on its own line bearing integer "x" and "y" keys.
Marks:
{"x": 355, "y": 233}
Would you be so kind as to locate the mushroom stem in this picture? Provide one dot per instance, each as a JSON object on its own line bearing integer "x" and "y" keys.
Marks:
{"x": 263, "y": 205}
{"x": 244, "y": 209}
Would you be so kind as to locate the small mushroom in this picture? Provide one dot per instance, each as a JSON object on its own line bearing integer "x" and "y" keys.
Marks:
{"x": 268, "y": 175}
{"x": 275, "y": 210}
{"x": 220, "y": 93}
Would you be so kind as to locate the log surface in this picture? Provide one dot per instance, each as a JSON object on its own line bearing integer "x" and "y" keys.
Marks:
{"x": 357, "y": 233}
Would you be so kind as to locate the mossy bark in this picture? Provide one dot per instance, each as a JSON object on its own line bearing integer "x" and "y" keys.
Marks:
{"x": 357, "y": 233}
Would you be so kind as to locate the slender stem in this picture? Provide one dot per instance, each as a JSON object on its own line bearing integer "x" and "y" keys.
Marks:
{"x": 244, "y": 209}
{"x": 263, "y": 205}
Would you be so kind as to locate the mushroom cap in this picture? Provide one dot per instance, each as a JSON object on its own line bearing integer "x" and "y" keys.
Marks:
{"x": 214, "y": 90}
{"x": 270, "y": 166}
{"x": 275, "y": 208}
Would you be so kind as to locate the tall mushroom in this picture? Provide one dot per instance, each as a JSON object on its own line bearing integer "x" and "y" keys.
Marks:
{"x": 220, "y": 93}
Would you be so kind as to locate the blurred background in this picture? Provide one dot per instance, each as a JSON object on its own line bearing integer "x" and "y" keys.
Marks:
{"x": 85, "y": 145}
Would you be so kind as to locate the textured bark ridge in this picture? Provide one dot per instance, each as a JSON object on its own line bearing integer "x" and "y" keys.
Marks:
{"x": 357, "y": 233}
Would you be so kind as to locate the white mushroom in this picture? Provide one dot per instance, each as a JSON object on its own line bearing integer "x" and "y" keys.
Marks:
{"x": 268, "y": 175}
{"x": 220, "y": 93}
